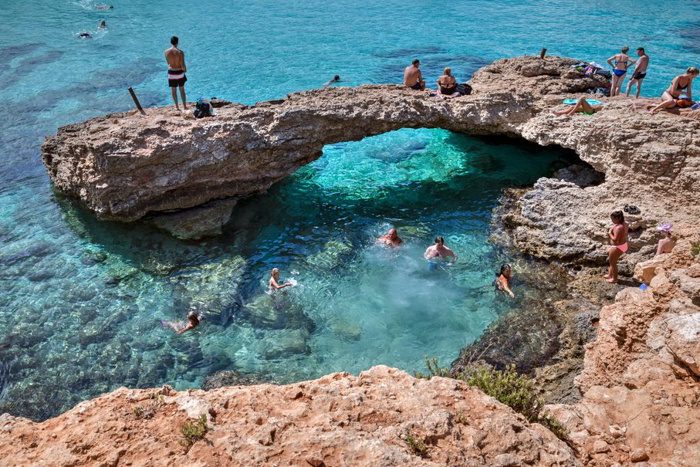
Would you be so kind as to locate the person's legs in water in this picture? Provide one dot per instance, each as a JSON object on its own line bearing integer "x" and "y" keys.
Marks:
{"x": 182, "y": 94}
{"x": 614, "y": 254}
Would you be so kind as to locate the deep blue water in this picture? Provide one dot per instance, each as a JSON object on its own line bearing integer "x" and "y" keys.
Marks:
{"x": 81, "y": 300}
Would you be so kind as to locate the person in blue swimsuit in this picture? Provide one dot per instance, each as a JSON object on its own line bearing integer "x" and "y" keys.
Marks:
{"x": 621, "y": 61}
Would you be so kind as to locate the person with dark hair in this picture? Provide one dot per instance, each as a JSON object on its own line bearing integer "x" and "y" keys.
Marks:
{"x": 193, "y": 320}
{"x": 640, "y": 71}
{"x": 412, "y": 77}
{"x": 176, "y": 71}
{"x": 391, "y": 238}
{"x": 618, "y": 239}
{"x": 680, "y": 93}
{"x": 102, "y": 24}
{"x": 333, "y": 80}
{"x": 619, "y": 62}
{"x": 502, "y": 281}
{"x": 439, "y": 251}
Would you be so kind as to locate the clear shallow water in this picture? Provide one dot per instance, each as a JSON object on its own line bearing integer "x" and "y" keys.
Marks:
{"x": 81, "y": 300}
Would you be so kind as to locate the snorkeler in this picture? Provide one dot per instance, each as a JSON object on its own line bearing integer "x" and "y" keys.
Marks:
{"x": 85, "y": 35}
{"x": 502, "y": 281}
{"x": 193, "y": 319}
{"x": 102, "y": 24}
{"x": 103, "y": 7}
{"x": 391, "y": 238}
{"x": 439, "y": 250}
{"x": 274, "y": 284}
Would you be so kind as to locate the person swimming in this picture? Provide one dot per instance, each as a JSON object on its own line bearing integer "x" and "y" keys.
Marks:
{"x": 85, "y": 35}
{"x": 102, "y": 24}
{"x": 391, "y": 238}
{"x": 334, "y": 80}
{"x": 274, "y": 282}
{"x": 618, "y": 239}
{"x": 193, "y": 320}
{"x": 503, "y": 278}
{"x": 103, "y": 7}
{"x": 439, "y": 251}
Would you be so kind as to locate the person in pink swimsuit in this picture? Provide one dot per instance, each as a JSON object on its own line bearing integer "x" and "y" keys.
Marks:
{"x": 618, "y": 239}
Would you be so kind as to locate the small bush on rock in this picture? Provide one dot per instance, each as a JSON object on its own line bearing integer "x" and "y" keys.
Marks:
{"x": 695, "y": 249}
{"x": 194, "y": 431}
{"x": 416, "y": 445}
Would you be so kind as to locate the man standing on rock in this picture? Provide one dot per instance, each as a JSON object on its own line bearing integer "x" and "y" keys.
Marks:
{"x": 176, "y": 71}
{"x": 640, "y": 71}
{"x": 412, "y": 77}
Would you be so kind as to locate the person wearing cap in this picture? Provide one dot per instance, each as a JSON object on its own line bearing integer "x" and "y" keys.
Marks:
{"x": 667, "y": 241}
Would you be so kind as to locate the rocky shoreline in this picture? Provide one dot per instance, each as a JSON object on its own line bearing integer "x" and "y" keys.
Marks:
{"x": 619, "y": 364}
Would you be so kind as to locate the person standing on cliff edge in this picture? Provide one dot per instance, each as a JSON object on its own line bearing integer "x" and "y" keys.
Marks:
{"x": 640, "y": 71}
{"x": 176, "y": 71}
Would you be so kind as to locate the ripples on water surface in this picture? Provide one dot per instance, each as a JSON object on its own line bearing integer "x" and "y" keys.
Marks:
{"x": 81, "y": 300}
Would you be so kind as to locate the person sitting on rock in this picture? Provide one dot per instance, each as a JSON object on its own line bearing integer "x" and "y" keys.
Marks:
{"x": 274, "y": 282}
{"x": 503, "y": 278}
{"x": 391, "y": 238}
{"x": 193, "y": 319}
{"x": 680, "y": 86}
{"x": 447, "y": 84}
{"x": 582, "y": 106}
{"x": 667, "y": 241}
{"x": 618, "y": 239}
{"x": 412, "y": 77}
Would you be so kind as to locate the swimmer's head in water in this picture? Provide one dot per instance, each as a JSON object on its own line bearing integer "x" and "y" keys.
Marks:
{"x": 336, "y": 78}
{"x": 174, "y": 40}
{"x": 275, "y": 273}
{"x": 439, "y": 241}
{"x": 617, "y": 217}
{"x": 392, "y": 233}
{"x": 506, "y": 270}
{"x": 193, "y": 317}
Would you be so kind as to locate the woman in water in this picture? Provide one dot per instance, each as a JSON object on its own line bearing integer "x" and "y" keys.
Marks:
{"x": 274, "y": 282}
{"x": 667, "y": 241}
{"x": 618, "y": 239}
{"x": 681, "y": 85}
{"x": 621, "y": 61}
{"x": 179, "y": 327}
{"x": 502, "y": 282}
{"x": 447, "y": 84}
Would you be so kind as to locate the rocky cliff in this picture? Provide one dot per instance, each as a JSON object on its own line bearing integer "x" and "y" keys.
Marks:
{"x": 381, "y": 417}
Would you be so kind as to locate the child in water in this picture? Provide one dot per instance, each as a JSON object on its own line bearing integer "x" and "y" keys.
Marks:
{"x": 274, "y": 284}
{"x": 502, "y": 281}
{"x": 180, "y": 327}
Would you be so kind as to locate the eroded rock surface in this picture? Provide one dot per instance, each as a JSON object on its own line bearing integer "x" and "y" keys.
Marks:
{"x": 124, "y": 166}
{"x": 336, "y": 420}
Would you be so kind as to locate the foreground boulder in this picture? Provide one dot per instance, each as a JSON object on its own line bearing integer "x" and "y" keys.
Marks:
{"x": 381, "y": 417}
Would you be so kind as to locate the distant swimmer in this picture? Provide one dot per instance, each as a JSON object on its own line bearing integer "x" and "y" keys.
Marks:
{"x": 274, "y": 282}
{"x": 391, "y": 238}
{"x": 104, "y": 7}
{"x": 176, "y": 71}
{"x": 333, "y": 80}
{"x": 193, "y": 320}
{"x": 102, "y": 24}
{"x": 439, "y": 251}
{"x": 85, "y": 35}
{"x": 502, "y": 281}
{"x": 412, "y": 77}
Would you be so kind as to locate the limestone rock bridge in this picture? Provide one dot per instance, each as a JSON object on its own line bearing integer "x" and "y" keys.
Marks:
{"x": 125, "y": 166}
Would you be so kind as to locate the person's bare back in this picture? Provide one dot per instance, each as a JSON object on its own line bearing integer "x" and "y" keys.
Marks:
{"x": 175, "y": 58}
{"x": 176, "y": 71}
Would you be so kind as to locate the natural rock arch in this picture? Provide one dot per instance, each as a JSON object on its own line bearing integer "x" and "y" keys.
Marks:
{"x": 125, "y": 166}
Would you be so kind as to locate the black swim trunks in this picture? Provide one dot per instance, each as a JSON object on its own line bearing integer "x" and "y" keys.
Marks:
{"x": 638, "y": 75}
{"x": 176, "y": 78}
{"x": 416, "y": 86}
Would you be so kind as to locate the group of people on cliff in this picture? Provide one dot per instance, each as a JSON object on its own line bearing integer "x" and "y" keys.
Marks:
{"x": 447, "y": 86}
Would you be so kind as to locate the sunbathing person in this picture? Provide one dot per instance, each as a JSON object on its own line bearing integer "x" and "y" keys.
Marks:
{"x": 667, "y": 241}
{"x": 412, "y": 76}
{"x": 582, "y": 106}
{"x": 447, "y": 84}
{"x": 680, "y": 86}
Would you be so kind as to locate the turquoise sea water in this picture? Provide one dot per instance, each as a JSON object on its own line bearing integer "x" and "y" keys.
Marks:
{"x": 82, "y": 300}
